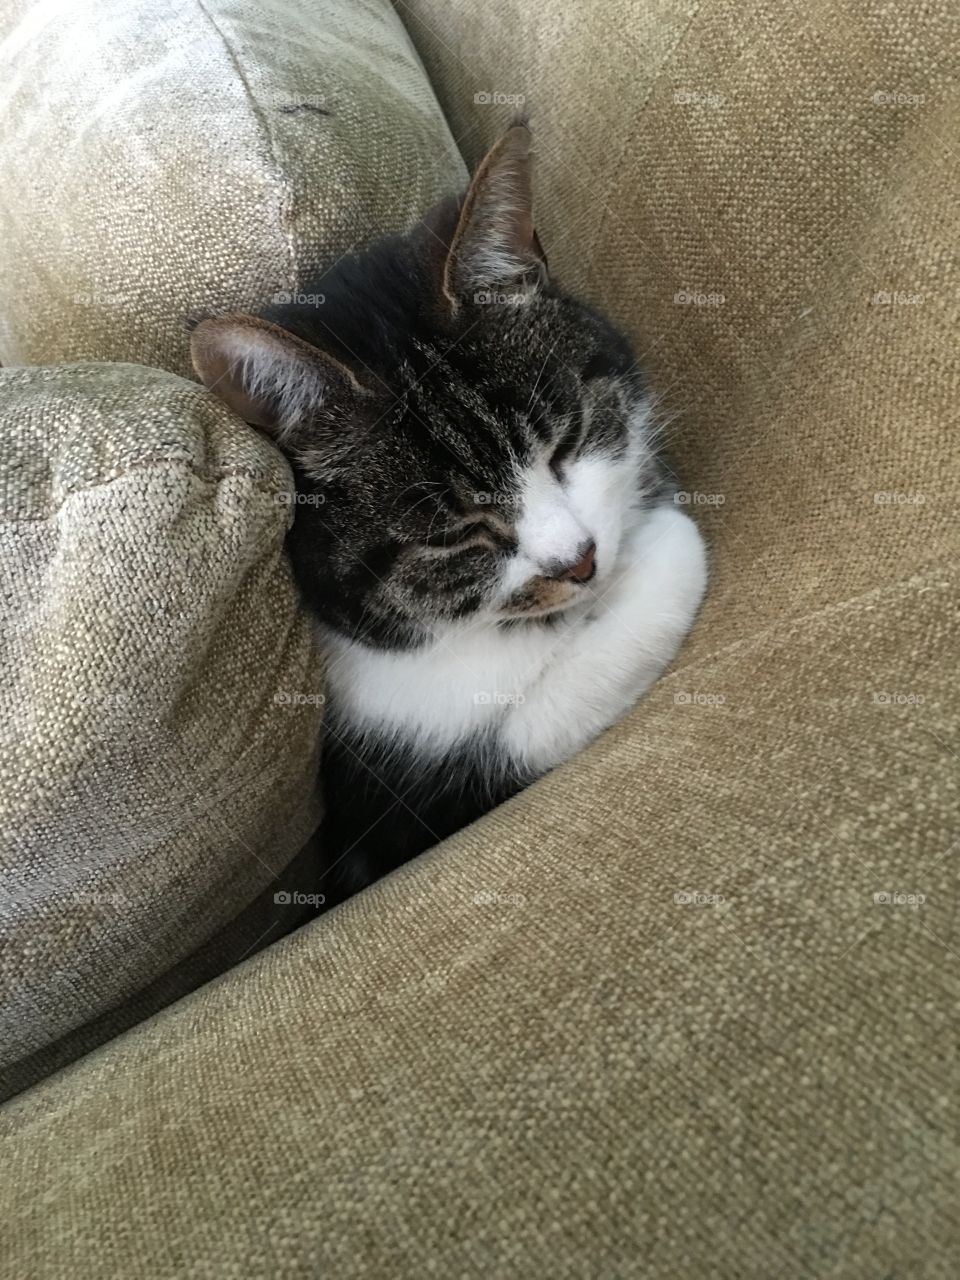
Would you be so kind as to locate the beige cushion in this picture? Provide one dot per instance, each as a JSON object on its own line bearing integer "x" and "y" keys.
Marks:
{"x": 160, "y": 695}
{"x": 161, "y": 157}
{"x": 158, "y": 160}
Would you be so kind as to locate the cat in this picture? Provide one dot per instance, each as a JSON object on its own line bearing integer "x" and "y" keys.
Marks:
{"x": 485, "y": 529}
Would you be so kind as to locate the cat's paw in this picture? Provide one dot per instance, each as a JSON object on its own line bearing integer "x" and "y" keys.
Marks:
{"x": 669, "y": 551}
{"x": 656, "y": 598}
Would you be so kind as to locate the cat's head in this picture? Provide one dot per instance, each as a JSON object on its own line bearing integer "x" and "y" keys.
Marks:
{"x": 465, "y": 438}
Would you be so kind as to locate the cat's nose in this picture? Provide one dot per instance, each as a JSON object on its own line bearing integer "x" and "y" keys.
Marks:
{"x": 583, "y": 569}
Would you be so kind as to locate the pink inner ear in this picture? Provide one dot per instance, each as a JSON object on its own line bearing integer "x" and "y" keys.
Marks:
{"x": 219, "y": 374}
{"x": 221, "y": 352}
{"x": 495, "y": 240}
{"x": 270, "y": 377}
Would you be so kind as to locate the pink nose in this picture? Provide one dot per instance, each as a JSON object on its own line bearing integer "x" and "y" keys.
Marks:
{"x": 585, "y": 567}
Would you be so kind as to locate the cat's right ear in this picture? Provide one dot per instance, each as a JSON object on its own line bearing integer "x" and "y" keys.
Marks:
{"x": 271, "y": 378}
{"x": 495, "y": 248}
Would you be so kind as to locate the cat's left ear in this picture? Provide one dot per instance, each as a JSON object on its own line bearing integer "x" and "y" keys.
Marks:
{"x": 293, "y": 391}
{"x": 495, "y": 249}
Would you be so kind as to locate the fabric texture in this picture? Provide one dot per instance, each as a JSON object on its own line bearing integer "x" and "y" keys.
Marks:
{"x": 160, "y": 701}
{"x": 159, "y": 159}
{"x": 686, "y": 1007}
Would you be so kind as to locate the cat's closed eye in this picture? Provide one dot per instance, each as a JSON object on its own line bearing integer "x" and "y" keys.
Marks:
{"x": 565, "y": 449}
{"x": 475, "y": 532}
{"x": 558, "y": 460}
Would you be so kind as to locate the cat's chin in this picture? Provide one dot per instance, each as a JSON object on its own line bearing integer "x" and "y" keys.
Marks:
{"x": 540, "y": 611}
{"x": 539, "y": 597}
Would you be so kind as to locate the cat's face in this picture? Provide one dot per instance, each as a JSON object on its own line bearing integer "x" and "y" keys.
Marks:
{"x": 465, "y": 439}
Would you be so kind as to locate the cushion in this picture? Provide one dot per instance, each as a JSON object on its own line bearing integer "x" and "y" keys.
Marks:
{"x": 160, "y": 158}
{"x": 161, "y": 699}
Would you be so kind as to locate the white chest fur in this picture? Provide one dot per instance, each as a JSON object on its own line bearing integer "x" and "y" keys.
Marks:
{"x": 543, "y": 692}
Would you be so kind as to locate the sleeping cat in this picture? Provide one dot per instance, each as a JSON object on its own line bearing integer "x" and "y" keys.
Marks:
{"x": 483, "y": 530}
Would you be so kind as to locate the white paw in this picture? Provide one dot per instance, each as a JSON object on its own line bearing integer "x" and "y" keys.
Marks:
{"x": 655, "y": 601}
{"x": 670, "y": 548}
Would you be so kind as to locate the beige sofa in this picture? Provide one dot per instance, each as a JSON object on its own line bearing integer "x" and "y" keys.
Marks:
{"x": 688, "y": 1006}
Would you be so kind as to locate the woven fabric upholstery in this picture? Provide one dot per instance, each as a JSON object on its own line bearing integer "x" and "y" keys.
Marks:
{"x": 161, "y": 158}
{"x": 157, "y": 160}
{"x": 686, "y": 1008}
{"x": 157, "y": 772}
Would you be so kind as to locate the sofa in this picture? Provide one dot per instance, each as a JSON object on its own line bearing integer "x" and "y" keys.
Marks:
{"x": 687, "y": 1006}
